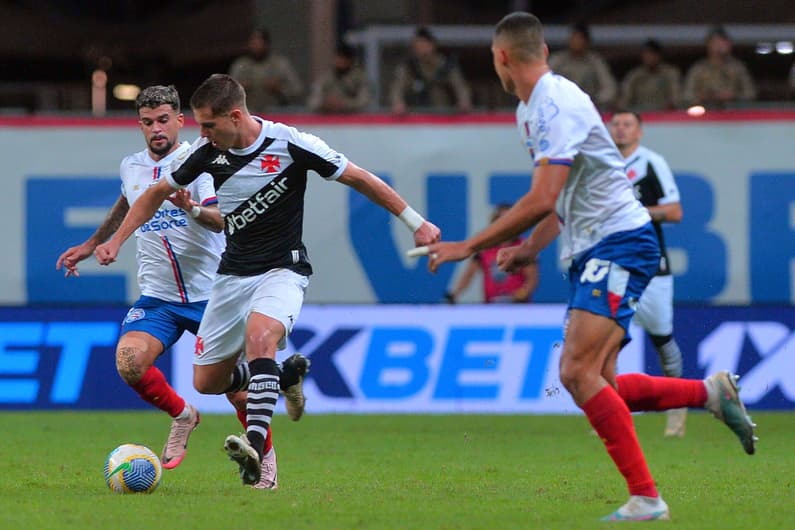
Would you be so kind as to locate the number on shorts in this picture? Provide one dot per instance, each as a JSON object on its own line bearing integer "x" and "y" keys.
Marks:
{"x": 595, "y": 270}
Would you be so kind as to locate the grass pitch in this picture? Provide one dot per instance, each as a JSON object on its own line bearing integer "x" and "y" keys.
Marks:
{"x": 393, "y": 472}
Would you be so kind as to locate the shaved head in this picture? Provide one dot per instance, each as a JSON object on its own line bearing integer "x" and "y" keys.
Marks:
{"x": 521, "y": 35}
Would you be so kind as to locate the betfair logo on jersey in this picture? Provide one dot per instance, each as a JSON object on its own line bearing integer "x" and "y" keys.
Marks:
{"x": 257, "y": 205}
{"x": 221, "y": 160}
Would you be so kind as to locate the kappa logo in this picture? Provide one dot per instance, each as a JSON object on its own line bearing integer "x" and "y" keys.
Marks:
{"x": 221, "y": 160}
{"x": 773, "y": 342}
{"x": 199, "y": 350}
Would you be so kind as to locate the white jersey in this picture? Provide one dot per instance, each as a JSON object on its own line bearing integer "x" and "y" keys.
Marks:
{"x": 177, "y": 257}
{"x": 560, "y": 125}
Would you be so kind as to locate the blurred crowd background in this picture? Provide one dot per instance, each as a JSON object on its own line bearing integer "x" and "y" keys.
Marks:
{"x": 391, "y": 56}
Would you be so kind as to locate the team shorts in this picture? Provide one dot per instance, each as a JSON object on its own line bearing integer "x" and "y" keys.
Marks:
{"x": 165, "y": 321}
{"x": 655, "y": 311}
{"x": 609, "y": 278}
{"x": 278, "y": 294}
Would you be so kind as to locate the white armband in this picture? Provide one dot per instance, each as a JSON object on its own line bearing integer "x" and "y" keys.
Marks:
{"x": 411, "y": 219}
{"x": 195, "y": 212}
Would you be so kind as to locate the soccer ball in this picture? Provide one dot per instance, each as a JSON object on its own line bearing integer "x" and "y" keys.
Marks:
{"x": 132, "y": 468}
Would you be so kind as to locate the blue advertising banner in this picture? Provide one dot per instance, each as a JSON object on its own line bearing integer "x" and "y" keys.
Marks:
{"x": 63, "y": 358}
{"x": 757, "y": 343}
{"x": 402, "y": 359}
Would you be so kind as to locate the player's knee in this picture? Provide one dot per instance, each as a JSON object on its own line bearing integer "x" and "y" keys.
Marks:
{"x": 570, "y": 374}
{"x": 206, "y": 385}
{"x": 129, "y": 363}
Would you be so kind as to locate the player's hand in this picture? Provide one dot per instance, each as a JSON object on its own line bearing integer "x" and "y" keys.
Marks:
{"x": 71, "y": 257}
{"x": 427, "y": 234}
{"x": 182, "y": 199}
{"x": 512, "y": 259}
{"x": 106, "y": 253}
{"x": 447, "y": 251}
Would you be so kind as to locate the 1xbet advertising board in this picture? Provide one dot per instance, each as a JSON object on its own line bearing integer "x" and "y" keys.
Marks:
{"x": 401, "y": 359}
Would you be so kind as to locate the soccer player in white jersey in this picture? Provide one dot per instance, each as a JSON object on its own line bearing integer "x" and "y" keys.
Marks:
{"x": 655, "y": 187}
{"x": 581, "y": 192}
{"x": 178, "y": 250}
{"x": 260, "y": 174}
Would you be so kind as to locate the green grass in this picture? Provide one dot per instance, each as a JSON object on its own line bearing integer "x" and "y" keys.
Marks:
{"x": 412, "y": 472}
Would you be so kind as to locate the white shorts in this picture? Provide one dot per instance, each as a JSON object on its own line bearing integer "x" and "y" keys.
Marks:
{"x": 278, "y": 294}
{"x": 655, "y": 311}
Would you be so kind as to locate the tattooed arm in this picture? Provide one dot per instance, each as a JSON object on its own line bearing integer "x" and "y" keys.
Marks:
{"x": 72, "y": 256}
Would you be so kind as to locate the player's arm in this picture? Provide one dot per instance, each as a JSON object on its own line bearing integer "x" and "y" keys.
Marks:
{"x": 382, "y": 194}
{"x": 514, "y": 259}
{"x": 529, "y": 210}
{"x": 141, "y": 211}
{"x": 668, "y": 208}
{"x": 530, "y": 284}
{"x": 72, "y": 256}
{"x": 209, "y": 216}
{"x": 666, "y": 213}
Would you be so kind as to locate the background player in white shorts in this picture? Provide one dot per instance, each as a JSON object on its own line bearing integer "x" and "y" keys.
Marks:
{"x": 655, "y": 187}
{"x": 581, "y": 192}
{"x": 259, "y": 170}
{"x": 178, "y": 251}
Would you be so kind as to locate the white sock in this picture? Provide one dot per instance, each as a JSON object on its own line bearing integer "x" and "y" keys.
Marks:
{"x": 185, "y": 414}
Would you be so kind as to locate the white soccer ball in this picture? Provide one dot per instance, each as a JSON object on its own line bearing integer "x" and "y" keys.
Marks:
{"x": 132, "y": 468}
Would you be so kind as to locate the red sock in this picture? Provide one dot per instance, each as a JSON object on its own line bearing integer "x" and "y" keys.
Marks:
{"x": 644, "y": 392}
{"x": 241, "y": 415}
{"x": 612, "y": 421}
{"x": 268, "y": 442}
{"x": 154, "y": 389}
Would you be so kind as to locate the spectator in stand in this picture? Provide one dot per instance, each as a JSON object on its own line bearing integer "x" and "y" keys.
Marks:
{"x": 585, "y": 67}
{"x": 344, "y": 88}
{"x": 268, "y": 78}
{"x": 652, "y": 85}
{"x": 719, "y": 79}
{"x": 429, "y": 79}
{"x": 498, "y": 286}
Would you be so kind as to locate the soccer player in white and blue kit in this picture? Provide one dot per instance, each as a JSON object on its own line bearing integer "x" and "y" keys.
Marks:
{"x": 581, "y": 192}
{"x": 178, "y": 251}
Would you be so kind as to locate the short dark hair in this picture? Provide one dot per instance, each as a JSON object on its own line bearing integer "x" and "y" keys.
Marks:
{"x": 524, "y": 33}
{"x": 263, "y": 33}
{"x": 717, "y": 31}
{"x": 629, "y": 111}
{"x": 424, "y": 33}
{"x": 346, "y": 50}
{"x": 653, "y": 45}
{"x": 153, "y": 96}
{"x": 220, "y": 92}
{"x": 583, "y": 29}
